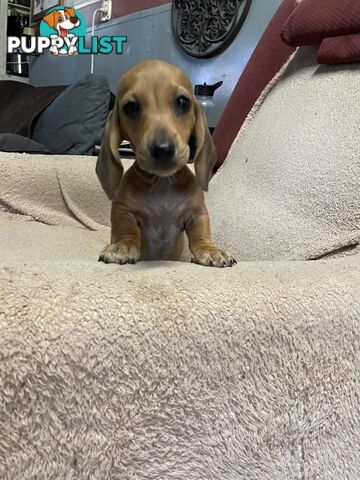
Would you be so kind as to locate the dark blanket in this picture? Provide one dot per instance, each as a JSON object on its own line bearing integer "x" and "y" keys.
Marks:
{"x": 21, "y": 103}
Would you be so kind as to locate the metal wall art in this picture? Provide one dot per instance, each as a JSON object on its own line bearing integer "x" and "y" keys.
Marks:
{"x": 205, "y": 28}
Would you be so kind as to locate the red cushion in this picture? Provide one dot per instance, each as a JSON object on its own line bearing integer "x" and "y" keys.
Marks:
{"x": 314, "y": 20}
{"x": 344, "y": 49}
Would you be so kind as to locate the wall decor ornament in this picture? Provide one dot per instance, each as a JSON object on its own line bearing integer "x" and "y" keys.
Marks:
{"x": 205, "y": 28}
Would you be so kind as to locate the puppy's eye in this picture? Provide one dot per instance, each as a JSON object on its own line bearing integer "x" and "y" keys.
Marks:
{"x": 131, "y": 109}
{"x": 182, "y": 104}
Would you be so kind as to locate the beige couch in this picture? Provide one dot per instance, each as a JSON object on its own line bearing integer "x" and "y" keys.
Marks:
{"x": 173, "y": 371}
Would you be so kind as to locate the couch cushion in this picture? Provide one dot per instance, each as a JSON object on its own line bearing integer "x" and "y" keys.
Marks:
{"x": 169, "y": 370}
{"x": 289, "y": 188}
{"x": 21, "y": 104}
{"x": 55, "y": 190}
{"x": 342, "y": 49}
{"x": 164, "y": 370}
{"x": 75, "y": 120}
{"x": 10, "y": 142}
{"x": 314, "y": 20}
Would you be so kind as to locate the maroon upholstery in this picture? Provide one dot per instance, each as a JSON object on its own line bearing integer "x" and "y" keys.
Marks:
{"x": 313, "y": 20}
{"x": 269, "y": 56}
{"x": 344, "y": 49}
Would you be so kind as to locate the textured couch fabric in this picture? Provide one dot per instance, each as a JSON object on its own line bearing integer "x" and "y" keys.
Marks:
{"x": 292, "y": 176}
{"x": 173, "y": 371}
{"x": 333, "y": 24}
{"x": 314, "y": 20}
{"x": 338, "y": 50}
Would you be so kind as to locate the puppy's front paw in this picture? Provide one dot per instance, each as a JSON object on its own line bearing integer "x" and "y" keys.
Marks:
{"x": 213, "y": 257}
{"x": 119, "y": 253}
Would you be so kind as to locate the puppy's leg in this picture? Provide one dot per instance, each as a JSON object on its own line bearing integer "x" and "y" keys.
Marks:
{"x": 125, "y": 238}
{"x": 204, "y": 252}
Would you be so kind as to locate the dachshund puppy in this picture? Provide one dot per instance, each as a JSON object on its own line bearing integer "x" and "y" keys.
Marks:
{"x": 158, "y": 198}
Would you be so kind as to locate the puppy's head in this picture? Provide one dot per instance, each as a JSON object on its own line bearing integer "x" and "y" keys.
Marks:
{"x": 62, "y": 20}
{"x": 157, "y": 113}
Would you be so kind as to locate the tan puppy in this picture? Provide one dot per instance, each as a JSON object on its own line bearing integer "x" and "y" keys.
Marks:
{"x": 158, "y": 198}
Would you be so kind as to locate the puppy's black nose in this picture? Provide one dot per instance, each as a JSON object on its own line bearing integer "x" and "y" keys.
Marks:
{"x": 74, "y": 20}
{"x": 163, "y": 150}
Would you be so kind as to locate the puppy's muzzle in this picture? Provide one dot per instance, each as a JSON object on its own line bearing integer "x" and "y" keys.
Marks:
{"x": 163, "y": 152}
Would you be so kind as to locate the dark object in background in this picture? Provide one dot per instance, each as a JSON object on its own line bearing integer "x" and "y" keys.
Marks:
{"x": 21, "y": 104}
{"x": 18, "y": 64}
{"x": 10, "y": 142}
{"x": 204, "y": 95}
{"x": 14, "y": 26}
{"x": 112, "y": 101}
{"x": 75, "y": 120}
{"x": 125, "y": 150}
{"x": 204, "y": 29}
{"x": 207, "y": 90}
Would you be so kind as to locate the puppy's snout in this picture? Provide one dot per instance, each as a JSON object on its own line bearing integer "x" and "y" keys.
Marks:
{"x": 74, "y": 20}
{"x": 163, "y": 151}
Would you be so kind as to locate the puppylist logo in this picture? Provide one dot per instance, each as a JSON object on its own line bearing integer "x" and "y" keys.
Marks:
{"x": 63, "y": 32}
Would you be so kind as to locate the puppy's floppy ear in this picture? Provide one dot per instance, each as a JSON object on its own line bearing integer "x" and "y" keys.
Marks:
{"x": 108, "y": 166}
{"x": 205, "y": 153}
{"x": 50, "y": 19}
{"x": 70, "y": 11}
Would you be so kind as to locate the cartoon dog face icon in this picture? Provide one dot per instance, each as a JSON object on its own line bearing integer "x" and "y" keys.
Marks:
{"x": 62, "y": 21}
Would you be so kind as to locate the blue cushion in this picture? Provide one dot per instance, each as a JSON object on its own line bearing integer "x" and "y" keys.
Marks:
{"x": 74, "y": 122}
